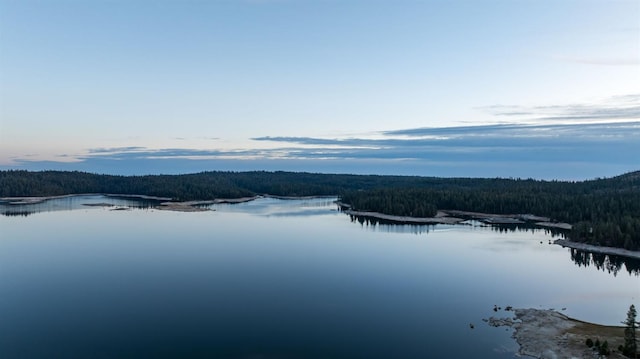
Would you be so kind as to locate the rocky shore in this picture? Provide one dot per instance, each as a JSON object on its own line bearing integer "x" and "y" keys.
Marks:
{"x": 545, "y": 333}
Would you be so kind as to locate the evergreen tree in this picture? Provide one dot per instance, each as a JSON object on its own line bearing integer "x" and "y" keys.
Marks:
{"x": 630, "y": 348}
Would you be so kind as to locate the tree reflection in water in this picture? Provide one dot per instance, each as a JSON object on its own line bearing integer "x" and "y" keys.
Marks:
{"x": 611, "y": 264}
{"x": 607, "y": 263}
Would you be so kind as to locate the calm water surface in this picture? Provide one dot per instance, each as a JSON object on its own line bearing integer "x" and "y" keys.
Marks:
{"x": 277, "y": 279}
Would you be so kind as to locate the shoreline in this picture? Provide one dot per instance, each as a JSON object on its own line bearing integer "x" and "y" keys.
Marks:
{"x": 443, "y": 219}
{"x": 21, "y": 200}
{"x": 442, "y": 216}
{"x": 298, "y": 197}
{"x": 597, "y": 249}
{"x": 140, "y": 196}
{"x": 35, "y": 200}
{"x": 492, "y": 218}
{"x": 546, "y": 333}
{"x": 196, "y": 206}
{"x": 166, "y": 203}
{"x": 446, "y": 217}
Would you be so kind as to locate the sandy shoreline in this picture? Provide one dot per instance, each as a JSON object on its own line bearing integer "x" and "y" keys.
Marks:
{"x": 492, "y": 218}
{"x": 139, "y": 196}
{"x": 598, "y": 249}
{"x": 545, "y": 333}
{"x": 455, "y": 216}
{"x": 405, "y": 219}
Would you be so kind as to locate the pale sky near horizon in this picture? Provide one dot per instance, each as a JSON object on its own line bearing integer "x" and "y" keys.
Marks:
{"x": 133, "y": 87}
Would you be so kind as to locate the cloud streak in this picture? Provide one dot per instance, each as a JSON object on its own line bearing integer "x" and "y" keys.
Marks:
{"x": 601, "y": 61}
{"x": 574, "y": 141}
{"x": 558, "y": 151}
{"x": 615, "y": 108}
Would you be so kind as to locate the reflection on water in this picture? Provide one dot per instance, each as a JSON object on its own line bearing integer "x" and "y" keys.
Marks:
{"x": 505, "y": 228}
{"x": 17, "y": 213}
{"x": 607, "y": 263}
{"x": 611, "y": 264}
{"x": 374, "y": 223}
{"x": 382, "y": 225}
{"x": 68, "y": 203}
{"x": 278, "y": 279}
{"x": 272, "y": 207}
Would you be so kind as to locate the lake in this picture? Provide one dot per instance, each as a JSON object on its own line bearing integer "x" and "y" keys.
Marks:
{"x": 277, "y": 278}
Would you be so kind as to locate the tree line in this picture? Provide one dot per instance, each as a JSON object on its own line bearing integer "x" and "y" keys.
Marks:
{"x": 602, "y": 211}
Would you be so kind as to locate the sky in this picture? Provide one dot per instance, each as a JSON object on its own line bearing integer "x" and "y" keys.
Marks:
{"x": 513, "y": 88}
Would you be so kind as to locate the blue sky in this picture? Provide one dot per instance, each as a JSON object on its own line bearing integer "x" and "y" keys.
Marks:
{"x": 513, "y": 88}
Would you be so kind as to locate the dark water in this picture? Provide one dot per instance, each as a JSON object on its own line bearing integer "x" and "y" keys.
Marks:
{"x": 278, "y": 279}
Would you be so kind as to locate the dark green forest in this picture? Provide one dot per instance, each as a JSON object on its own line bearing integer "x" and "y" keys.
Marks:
{"x": 602, "y": 211}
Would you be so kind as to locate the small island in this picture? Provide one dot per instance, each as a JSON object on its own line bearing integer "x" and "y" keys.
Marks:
{"x": 546, "y": 333}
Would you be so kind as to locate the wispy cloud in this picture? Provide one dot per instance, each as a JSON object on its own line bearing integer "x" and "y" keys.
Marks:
{"x": 557, "y": 141}
{"x": 626, "y": 107}
{"x": 520, "y": 143}
{"x": 103, "y": 150}
{"x": 601, "y": 61}
{"x": 536, "y": 133}
{"x": 122, "y": 153}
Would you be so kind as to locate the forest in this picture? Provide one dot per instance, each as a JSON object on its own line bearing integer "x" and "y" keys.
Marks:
{"x": 602, "y": 211}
